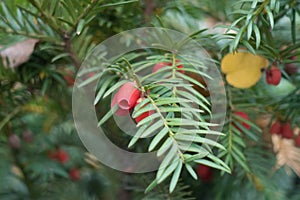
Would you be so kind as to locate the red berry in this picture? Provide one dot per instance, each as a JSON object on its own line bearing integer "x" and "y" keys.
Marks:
{"x": 273, "y": 76}
{"x": 27, "y": 136}
{"x": 287, "y": 131}
{"x": 297, "y": 141}
{"x": 180, "y": 67}
{"x": 204, "y": 173}
{"x": 74, "y": 174}
{"x": 291, "y": 68}
{"x": 275, "y": 128}
{"x": 143, "y": 115}
{"x": 14, "y": 141}
{"x": 128, "y": 94}
{"x": 164, "y": 64}
{"x": 91, "y": 74}
{"x": 160, "y": 65}
{"x": 69, "y": 78}
{"x": 120, "y": 111}
{"x": 125, "y": 98}
{"x": 245, "y": 116}
{"x": 62, "y": 156}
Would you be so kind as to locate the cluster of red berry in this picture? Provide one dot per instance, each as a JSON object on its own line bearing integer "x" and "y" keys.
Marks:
{"x": 59, "y": 155}
{"x": 128, "y": 95}
{"x": 205, "y": 173}
{"x": 62, "y": 156}
{"x": 126, "y": 98}
{"x": 14, "y": 140}
{"x": 285, "y": 130}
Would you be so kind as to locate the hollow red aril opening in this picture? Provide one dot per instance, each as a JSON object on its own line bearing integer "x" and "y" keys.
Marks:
{"x": 124, "y": 104}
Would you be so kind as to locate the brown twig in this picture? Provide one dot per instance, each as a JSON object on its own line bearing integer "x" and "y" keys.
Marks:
{"x": 68, "y": 49}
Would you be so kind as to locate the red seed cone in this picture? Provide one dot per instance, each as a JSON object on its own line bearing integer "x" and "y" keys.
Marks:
{"x": 245, "y": 116}
{"x": 145, "y": 114}
{"x": 125, "y": 98}
{"x": 74, "y": 174}
{"x": 275, "y": 128}
{"x": 297, "y": 141}
{"x": 287, "y": 131}
{"x": 204, "y": 173}
{"x": 273, "y": 76}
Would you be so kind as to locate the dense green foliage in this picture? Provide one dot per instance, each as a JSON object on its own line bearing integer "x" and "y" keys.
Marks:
{"x": 35, "y": 100}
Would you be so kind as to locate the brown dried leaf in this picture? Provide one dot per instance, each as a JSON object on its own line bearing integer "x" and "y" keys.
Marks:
{"x": 18, "y": 53}
{"x": 17, "y": 171}
{"x": 287, "y": 154}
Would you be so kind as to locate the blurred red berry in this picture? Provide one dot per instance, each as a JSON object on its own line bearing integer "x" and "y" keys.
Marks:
{"x": 74, "y": 174}
{"x": 27, "y": 136}
{"x": 287, "y": 131}
{"x": 125, "y": 98}
{"x": 160, "y": 65}
{"x": 291, "y": 68}
{"x": 91, "y": 74}
{"x": 143, "y": 115}
{"x": 273, "y": 76}
{"x": 204, "y": 173}
{"x": 180, "y": 67}
{"x": 69, "y": 78}
{"x": 14, "y": 141}
{"x": 244, "y": 116}
{"x": 62, "y": 156}
{"x": 297, "y": 141}
{"x": 276, "y": 128}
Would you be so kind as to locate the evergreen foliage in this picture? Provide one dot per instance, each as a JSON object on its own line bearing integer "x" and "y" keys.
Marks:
{"x": 39, "y": 144}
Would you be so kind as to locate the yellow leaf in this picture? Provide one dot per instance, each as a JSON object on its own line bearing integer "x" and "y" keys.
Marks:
{"x": 256, "y": 181}
{"x": 42, "y": 75}
{"x": 243, "y": 69}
